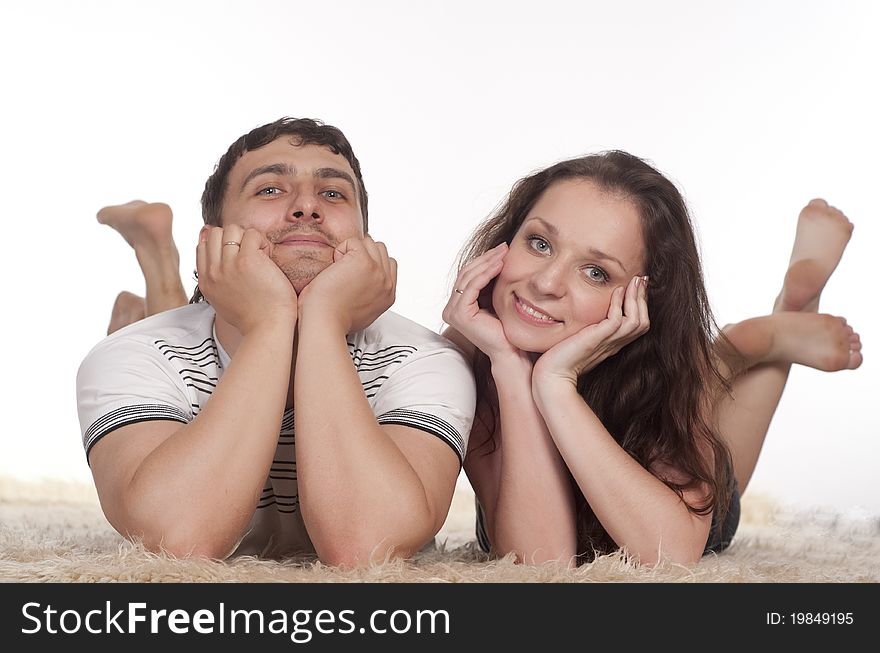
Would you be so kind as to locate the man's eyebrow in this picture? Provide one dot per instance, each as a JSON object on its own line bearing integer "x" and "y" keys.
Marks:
{"x": 283, "y": 169}
{"x": 271, "y": 169}
{"x": 592, "y": 251}
{"x": 335, "y": 173}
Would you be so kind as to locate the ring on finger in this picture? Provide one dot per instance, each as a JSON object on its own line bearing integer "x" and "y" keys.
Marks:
{"x": 232, "y": 242}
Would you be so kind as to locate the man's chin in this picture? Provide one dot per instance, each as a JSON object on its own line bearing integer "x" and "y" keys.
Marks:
{"x": 300, "y": 284}
{"x": 302, "y": 273}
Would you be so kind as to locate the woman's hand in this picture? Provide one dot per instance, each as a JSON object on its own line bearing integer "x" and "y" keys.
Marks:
{"x": 627, "y": 319}
{"x": 463, "y": 312}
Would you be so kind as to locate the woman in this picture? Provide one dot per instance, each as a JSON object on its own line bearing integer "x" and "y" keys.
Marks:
{"x": 605, "y": 412}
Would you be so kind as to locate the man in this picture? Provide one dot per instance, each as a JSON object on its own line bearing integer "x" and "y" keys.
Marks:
{"x": 241, "y": 424}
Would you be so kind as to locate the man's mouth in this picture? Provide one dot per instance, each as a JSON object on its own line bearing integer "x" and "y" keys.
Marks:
{"x": 303, "y": 240}
{"x": 531, "y": 313}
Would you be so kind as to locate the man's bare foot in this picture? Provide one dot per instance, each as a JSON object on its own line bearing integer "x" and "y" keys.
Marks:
{"x": 822, "y": 234}
{"x": 142, "y": 224}
{"x": 817, "y": 340}
{"x": 147, "y": 228}
{"x": 127, "y": 309}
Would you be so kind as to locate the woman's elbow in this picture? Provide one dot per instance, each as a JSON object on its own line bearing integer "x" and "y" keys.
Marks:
{"x": 685, "y": 553}
{"x": 535, "y": 554}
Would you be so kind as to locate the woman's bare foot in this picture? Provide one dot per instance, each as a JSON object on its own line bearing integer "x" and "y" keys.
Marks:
{"x": 817, "y": 340}
{"x": 127, "y": 309}
{"x": 822, "y": 234}
{"x": 147, "y": 228}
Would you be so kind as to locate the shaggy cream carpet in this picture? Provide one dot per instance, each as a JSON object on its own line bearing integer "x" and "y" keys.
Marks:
{"x": 55, "y": 532}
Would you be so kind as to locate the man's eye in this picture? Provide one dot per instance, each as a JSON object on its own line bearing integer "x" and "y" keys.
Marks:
{"x": 270, "y": 190}
{"x": 539, "y": 244}
{"x": 334, "y": 195}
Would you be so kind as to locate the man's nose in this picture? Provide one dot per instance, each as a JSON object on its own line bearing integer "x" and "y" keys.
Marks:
{"x": 305, "y": 207}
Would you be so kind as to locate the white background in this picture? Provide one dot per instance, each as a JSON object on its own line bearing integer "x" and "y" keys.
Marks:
{"x": 752, "y": 108}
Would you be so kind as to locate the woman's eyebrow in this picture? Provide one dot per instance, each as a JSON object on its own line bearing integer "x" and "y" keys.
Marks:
{"x": 592, "y": 251}
{"x": 549, "y": 227}
{"x": 598, "y": 253}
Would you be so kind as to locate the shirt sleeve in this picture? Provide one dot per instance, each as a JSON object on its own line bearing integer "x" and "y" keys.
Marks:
{"x": 123, "y": 381}
{"x": 432, "y": 391}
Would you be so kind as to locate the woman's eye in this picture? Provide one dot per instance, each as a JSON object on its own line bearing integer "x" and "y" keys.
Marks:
{"x": 539, "y": 244}
{"x": 596, "y": 274}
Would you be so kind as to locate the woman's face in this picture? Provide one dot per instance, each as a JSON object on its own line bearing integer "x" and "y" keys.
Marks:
{"x": 577, "y": 244}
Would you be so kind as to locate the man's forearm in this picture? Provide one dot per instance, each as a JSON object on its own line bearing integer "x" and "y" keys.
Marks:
{"x": 358, "y": 492}
{"x": 197, "y": 491}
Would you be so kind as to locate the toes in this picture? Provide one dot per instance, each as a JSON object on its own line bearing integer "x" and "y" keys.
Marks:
{"x": 855, "y": 359}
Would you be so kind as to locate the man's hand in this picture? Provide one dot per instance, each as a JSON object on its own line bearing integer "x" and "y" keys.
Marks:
{"x": 240, "y": 280}
{"x": 355, "y": 289}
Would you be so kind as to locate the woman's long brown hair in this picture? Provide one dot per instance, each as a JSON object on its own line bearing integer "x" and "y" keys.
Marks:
{"x": 655, "y": 395}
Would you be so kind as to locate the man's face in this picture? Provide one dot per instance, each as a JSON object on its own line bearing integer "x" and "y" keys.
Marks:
{"x": 303, "y": 198}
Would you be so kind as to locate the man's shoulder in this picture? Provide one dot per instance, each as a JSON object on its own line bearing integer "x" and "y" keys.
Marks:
{"x": 392, "y": 329}
{"x": 394, "y": 343}
{"x": 184, "y": 325}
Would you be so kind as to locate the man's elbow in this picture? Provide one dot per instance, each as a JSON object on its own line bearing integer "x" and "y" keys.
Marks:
{"x": 183, "y": 545}
{"x": 194, "y": 547}
{"x": 374, "y": 546}
{"x": 161, "y": 529}
{"x": 354, "y": 555}
{"x": 374, "y": 538}
{"x": 176, "y": 540}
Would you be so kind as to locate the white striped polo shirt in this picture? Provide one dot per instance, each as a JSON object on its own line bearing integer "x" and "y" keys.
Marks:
{"x": 166, "y": 367}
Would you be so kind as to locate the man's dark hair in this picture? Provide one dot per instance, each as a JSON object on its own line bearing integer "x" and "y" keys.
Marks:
{"x": 304, "y": 131}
